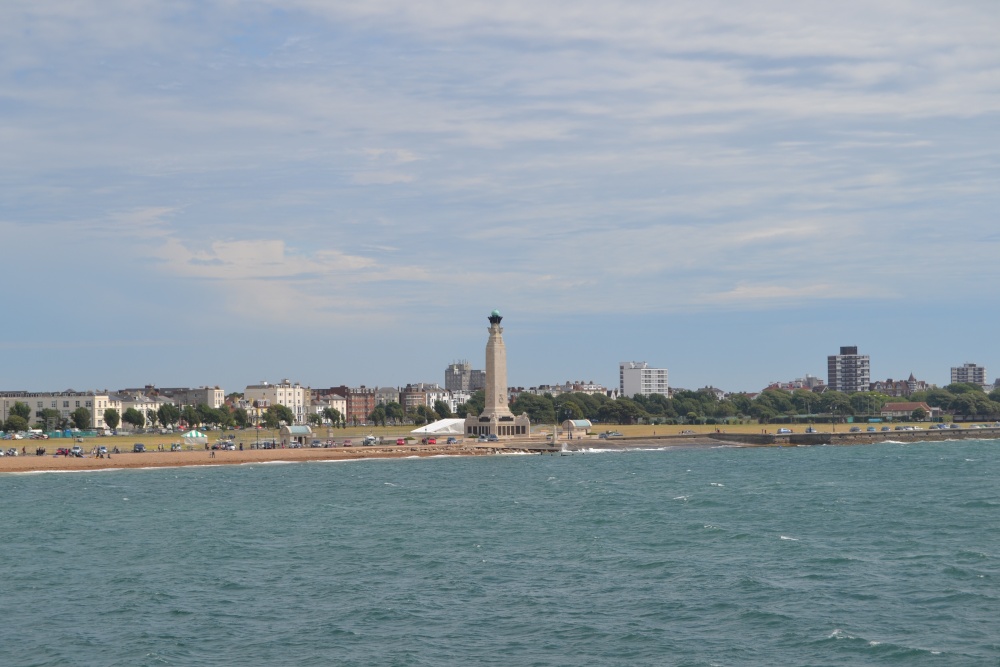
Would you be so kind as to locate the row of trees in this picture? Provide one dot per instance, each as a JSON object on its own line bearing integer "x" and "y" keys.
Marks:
{"x": 702, "y": 406}
{"x": 48, "y": 419}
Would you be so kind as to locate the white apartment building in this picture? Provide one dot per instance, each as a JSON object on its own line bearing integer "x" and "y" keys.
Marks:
{"x": 848, "y": 371}
{"x": 969, "y": 373}
{"x": 147, "y": 405}
{"x": 66, "y": 402}
{"x": 335, "y": 401}
{"x": 295, "y": 397}
{"x": 636, "y": 377}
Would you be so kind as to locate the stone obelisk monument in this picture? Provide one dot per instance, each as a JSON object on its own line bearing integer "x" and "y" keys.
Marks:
{"x": 496, "y": 418}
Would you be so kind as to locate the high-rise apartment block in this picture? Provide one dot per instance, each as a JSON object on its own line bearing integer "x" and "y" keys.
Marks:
{"x": 460, "y": 376}
{"x": 848, "y": 371}
{"x": 969, "y": 373}
{"x": 636, "y": 377}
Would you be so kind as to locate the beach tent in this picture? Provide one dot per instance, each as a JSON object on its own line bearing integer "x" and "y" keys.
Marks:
{"x": 442, "y": 427}
{"x": 193, "y": 437}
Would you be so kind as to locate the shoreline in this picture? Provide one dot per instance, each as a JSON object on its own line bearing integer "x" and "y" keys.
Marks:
{"x": 31, "y": 463}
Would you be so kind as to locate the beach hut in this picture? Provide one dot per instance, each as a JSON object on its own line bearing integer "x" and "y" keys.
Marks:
{"x": 194, "y": 437}
{"x": 576, "y": 427}
{"x": 295, "y": 436}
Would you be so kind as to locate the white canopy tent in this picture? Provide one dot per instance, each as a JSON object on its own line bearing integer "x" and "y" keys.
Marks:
{"x": 442, "y": 427}
{"x": 193, "y": 437}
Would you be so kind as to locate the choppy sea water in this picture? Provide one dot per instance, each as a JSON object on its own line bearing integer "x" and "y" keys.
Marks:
{"x": 874, "y": 555}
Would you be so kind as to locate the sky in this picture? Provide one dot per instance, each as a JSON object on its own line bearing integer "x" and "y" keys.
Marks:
{"x": 219, "y": 192}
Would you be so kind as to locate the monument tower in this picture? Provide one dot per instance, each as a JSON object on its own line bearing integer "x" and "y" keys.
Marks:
{"x": 496, "y": 418}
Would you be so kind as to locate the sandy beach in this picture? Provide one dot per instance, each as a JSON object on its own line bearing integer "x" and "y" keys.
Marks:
{"x": 158, "y": 459}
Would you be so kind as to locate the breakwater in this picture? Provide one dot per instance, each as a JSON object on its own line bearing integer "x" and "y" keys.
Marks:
{"x": 844, "y": 437}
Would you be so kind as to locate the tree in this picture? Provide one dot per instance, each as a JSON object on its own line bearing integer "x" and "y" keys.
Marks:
{"x": 425, "y": 414}
{"x": 957, "y": 388}
{"x": 241, "y": 418}
{"x": 276, "y": 414}
{"x": 81, "y": 418}
{"x": 333, "y": 414}
{"x": 227, "y": 416}
{"x": 314, "y": 419}
{"x": 285, "y": 413}
{"x": 837, "y": 403}
{"x": 22, "y": 410}
{"x": 805, "y": 401}
{"x": 191, "y": 416}
{"x": 442, "y": 409}
{"x": 778, "y": 401}
{"x": 15, "y": 423}
{"x": 918, "y": 415}
{"x": 569, "y": 409}
{"x": 50, "y": 418}
{"x": 111, "y": 418}
{"x": 134, "y": 417}
{"x": 168, "y": 414}
{"x": 377, "y": 416}
{"x": 395, "y": 413}
{"x": 474, "y": 405}
{"x": 270, "y": 418}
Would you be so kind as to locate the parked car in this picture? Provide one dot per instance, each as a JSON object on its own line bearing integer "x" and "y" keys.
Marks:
{"x": 482, "y": 438}
{"x": 885, "y": 428}
{"x": 77, "y": 451}
{"x": 429, "y": 441}
{"x": 347, "y": 443}
{"x": 870, "y": 429}
{"x": 954, "y": 426}
{"x": 810, "y": 430}
{"x": 452, "y": 441}
{"x": 138, "y": 448}
{"x": 854, "y": 429}
{"x": 783, "y": 431}
{"x": 492, "y": 437}
{"x": 400, "y": 441}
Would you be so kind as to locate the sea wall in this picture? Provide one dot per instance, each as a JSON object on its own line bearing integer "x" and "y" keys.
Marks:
{"x": 856, "y": 438}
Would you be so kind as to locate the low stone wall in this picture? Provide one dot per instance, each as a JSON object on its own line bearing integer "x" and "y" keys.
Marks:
{"x": 857, "y": 438}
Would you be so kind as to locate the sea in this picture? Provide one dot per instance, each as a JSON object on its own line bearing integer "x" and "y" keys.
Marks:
{"x": 885, "y": 554}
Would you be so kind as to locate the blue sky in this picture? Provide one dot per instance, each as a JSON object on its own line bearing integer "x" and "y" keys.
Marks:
{"x": 225, "y": 191}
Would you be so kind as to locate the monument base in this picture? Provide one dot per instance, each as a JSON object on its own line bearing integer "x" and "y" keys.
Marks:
{"x": 502, "y": 426}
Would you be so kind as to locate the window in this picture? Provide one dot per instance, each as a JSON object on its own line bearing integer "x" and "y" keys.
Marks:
{"x": 53, "y": 404}
{"x": 65, "y": 404}
{"x": 40, "y": 404}
{"x": 78, "y": 404}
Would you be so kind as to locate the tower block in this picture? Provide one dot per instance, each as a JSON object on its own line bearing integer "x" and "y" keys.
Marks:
{"x": 496, "y": 418}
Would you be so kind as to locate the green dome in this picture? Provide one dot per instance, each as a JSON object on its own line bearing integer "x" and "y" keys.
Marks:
{"x": 495, "y": 313}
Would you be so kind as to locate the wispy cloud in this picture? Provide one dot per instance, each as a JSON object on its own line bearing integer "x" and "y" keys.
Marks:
{"x": 339, "y": 163}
